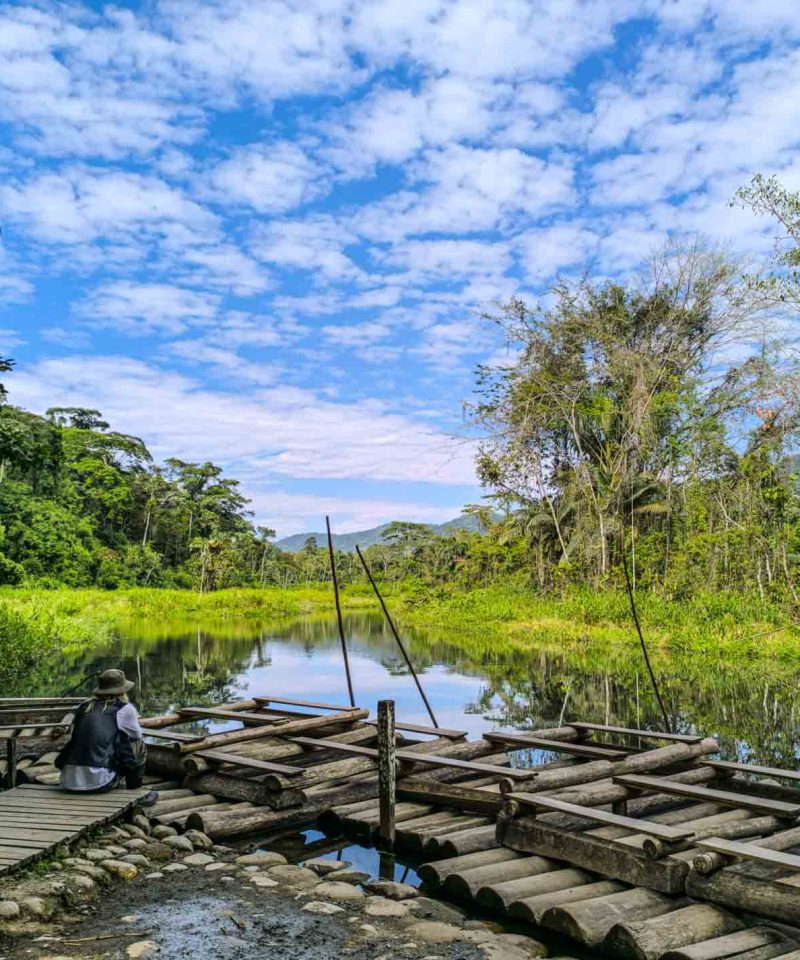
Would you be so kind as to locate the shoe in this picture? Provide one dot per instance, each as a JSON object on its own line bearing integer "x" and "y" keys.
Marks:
{"x": 148, "y": 800}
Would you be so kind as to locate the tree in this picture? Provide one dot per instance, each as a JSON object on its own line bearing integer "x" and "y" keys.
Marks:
{"x": 81, "y": 418}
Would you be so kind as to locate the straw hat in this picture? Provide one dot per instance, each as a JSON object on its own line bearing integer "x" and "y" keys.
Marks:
{"x": 112, "y": 682}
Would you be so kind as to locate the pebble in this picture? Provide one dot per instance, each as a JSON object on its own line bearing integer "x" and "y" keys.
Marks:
{"x": 380, "y": 907}
{"x": 137, "y": 860}
{"x": 339, "y": 891}
{"x": 179, "y": 843}
{"x": 157, "y": 851}
{"x": 174, "y": 868}
{"x": 227, "y": 879}
{"x": 93, "y": 871}
{"x": 79, "y": 883}
{"x": 433, "y": 931}
{"x": 77, "y": 862}
{"x": 198, "y": 859}
{"x": 154, "y": 876}
{"x": 261, "y": 858}
{"x": 140, "y": 820}
{"x": 131, "y": 918}
{"x": 347, "y": 876}
{"x": 392, "y": 890}
{"x": 294, "y": 876}
{"x": 135, "y": 843}
{"x": 95, "y": 854}
{"x": 220, "y": 849}
{"x": 200, "y": 840}
{"x": 162, "y": 831}
{"x": 133, "y": 831}
{"x": 118, "y": 868}
{"x": 35, "y": 906}
{"x": 323, "y": 867}
{"x": 219, "y": 867}
{"x": 316, "y": 906}
{"x": 500, "y": 948}
{"x": 262, "y": 880}
{"x": 115, "y": 849}
{"x": 9, "y": 909}
{"x": 142, "y": 950}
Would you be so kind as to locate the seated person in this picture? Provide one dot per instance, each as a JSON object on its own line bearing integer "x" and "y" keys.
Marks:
{"x": 106, "y": 746}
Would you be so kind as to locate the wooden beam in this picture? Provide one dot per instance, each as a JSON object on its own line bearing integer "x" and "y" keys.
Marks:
{"x": 268, "y": 766}
{"x": 777, "y": 772}
{"x": 303, "y": 703}
{"x": 174, "y": 736}
{"x": 589, "y": 751}
{"x": 217, "y": 713}
{"x": 632, "y": 732}
{"x": 743, "y": 801}
{"x": 421, "y": 728}
{"x": 750, "y": 851}
{"x": 660, "y": 830}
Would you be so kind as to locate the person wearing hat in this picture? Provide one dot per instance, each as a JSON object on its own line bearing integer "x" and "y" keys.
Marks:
{"x": 106, "y": 747}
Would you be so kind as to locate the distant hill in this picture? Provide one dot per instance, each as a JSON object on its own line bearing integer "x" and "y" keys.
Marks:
{"x": 346, "y": 542}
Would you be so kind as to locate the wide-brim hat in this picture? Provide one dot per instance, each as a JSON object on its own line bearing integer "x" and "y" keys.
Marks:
{"x": 112, "y": 681}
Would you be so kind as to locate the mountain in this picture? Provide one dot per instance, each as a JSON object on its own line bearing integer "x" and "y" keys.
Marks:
{"x": 368, "y": 538}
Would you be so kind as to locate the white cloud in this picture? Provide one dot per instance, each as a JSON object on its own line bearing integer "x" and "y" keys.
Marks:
{"x": 270, "y": 178}
{"x": 140, "y": 309}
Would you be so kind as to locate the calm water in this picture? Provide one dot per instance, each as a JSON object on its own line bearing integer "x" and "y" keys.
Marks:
{"x": 752, "y": 707}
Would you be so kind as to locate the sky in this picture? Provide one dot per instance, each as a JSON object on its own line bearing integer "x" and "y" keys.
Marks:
{"x": 267, "y": 232}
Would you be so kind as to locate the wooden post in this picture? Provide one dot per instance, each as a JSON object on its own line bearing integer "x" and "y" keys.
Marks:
{"x": 11, "y": 762}
{"x": 387, "y": 771}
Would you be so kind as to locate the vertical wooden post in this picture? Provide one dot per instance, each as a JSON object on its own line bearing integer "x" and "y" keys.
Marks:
{"x": 11, "y": 762}
{"x": 386, "y": 771}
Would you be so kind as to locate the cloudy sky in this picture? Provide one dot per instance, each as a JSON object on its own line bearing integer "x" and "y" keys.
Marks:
{"x": 262, "y": 231}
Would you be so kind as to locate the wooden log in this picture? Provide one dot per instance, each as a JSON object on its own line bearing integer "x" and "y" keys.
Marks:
{"x": 732, "y": 944}
{"x": 466, "y": 841}
{"x": 293, "y": 728}
{"x": 724, "y": 825}
{"x": 366, "y": 822}
{"x": 465, "y": 884}
{"x": 589, "y": 921}
{"x": 417, "y": 839}
{"x": 634, "y": 764}
{"x": 226, "y": 787}
{"x": 434, "y": 874}
{"x": 171, "y": 719}
{"x": 474, "y": 799}
{"x": 500, "y": 896}
{"x": 178, "y": 818}
{"x": 387, "y": 772}
{"x": 707, "y": 862}
{"x": 182, "y": 803}
{"x": 650, "y": 938}
{"x": 737, "y": 891}
{"x": 531, "y": 909}
{"x": 233, "y": 825}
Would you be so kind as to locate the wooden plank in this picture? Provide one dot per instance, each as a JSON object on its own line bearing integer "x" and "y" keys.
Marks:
{"x": 777, "y": 772}
{"x": 174, "y": 736}
{"x": 421, "y": 728}
{"x": 644, "y": 734}
{"x": 557, "y": 746}
{"x": 217, "y": 713}
{"x": 41, "y": 830}
{"x": 670, "y": 834}
{"x": 9, "y": 728}
{"x": 724, "y": 798}
{"x": 89, "y": 801}
{"x": 303, "y": 703}
{"x": 218, "y": 756}
{"x": 24, "y": 837}
{"x": 21, "y": 852}
{"x": 751, "y": 851}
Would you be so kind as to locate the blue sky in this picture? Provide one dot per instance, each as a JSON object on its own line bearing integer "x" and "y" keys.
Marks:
{"x": 263, "y": 232}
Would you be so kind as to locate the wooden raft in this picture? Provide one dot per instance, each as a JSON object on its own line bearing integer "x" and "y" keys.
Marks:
{"x": 36, "y": 818}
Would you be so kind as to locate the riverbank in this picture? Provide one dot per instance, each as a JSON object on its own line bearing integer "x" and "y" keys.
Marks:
{"x": 41, "y": 623}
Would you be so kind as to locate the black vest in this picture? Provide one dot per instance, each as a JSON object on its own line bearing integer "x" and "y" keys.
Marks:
{"x": 94, "y": 735}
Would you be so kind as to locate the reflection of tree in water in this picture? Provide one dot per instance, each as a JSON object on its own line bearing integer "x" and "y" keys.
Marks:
{"x": 752, "y": 706}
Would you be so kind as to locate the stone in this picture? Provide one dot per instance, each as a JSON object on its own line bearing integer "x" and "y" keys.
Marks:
{"x": 251, "y": 869}
{"x": 380, "y": 907}
{"x": 339, "y": 891}
{"x": 114, "y": 848}
{"x": 141, "y": 950}
{"x": 323, "y": 867}
{"x": 368, "y": 930}
{"x": 261, "y": 858}
{"x": 135, "y": 843}
{"x": 118, "y": 868}
{"x": 157, "y": 851}
{"x": 140, "y": 820}
{"x": 179, "y": 843}
{"x": 227, "y": 879}
{"x": 515, "y": 946}
{"x": 200, "y": 840}
{"x": 220, "y": 849}
{"x": 77, "y": 862}
{"x": 153, "y": 876}
{"x": 347, "y": 876}
{"x": 79, "y": 884}
{"x": 36, "y": 907}
{"x": 137, "y": 860}
{"x": 293, "y": 876}
{"x": 162, "y": 830}
{"x": 219, "y": 867}
{"x": 262, "y": 881}
{"x": 133, "y": 831}
{"x": 316, "y": 906}
{"x": 92, "y": 870}
{"x": 174, "y": 868}
{"x": 392, "y": 890}
{"x": 9, "y": 910}
{"x": 198, "y": 860}
{"x": 433, "y": 931}
{"x": 131, "y": 918}
{"x": 96, "y": 854}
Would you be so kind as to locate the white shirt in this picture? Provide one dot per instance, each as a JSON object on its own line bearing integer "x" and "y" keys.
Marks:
{"x": 78, "y": 778}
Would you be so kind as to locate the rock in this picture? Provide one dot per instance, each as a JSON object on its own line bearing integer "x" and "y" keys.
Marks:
{"x": 142, "y": 950}
{"x": 219, "y": 867}
{"x": 162, "y": 830}
{"x": 316, "y": 906}
{"x": 368, "y": 930}
{"x": 131, "y": 918}
{"x": 347, "y": 876}
{"x": 293, "y": 876}
{"x": 512, "y": 946}
{"x": 137, "y": 860}
{"x": 392, "y": 890}
{"x": 36, "y": 907}
{"x": 77, "y": 862}
{"x": 220, "y": 849}
{"x": 323, "y": 867}
{"x": 261, "y": 858}
{"x": 179, "y": 843}
{"x": 140, "y": 820}
{"x": 339, "y": 891}
{"x": 153, "y": 876}
{"x": 261, "y": 880}
{"x": 118, "y": 868}
{"x": 380, "y": 907}
{"x": 226, "y": 879}
{"x": 135, "y": 843}
{"x": 174, "y": 868}
{"x": 157, "y": 851}
{"x": 115, "y": 849}
{"x": 93, "y": 871}
{"x": 9, "y": 910}
{"x": 200, "y": 840}
{"x": 96, "y": 854}
{"x": 78, "y": 884}
{"x": 433, "y": 931}
{"x": 198, "y": 859}
{"x": 133, "y": 831}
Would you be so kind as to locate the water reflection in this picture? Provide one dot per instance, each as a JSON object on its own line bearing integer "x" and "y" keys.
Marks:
{"x": 473, "y": 683}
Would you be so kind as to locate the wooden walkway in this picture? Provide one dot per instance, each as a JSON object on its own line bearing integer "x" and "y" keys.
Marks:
{"x": 36, "y": 818}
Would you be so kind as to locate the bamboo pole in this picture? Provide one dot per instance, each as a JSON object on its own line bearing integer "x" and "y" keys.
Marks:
{"x": 345, "y": 655}
{"x": 387, "y": 772}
